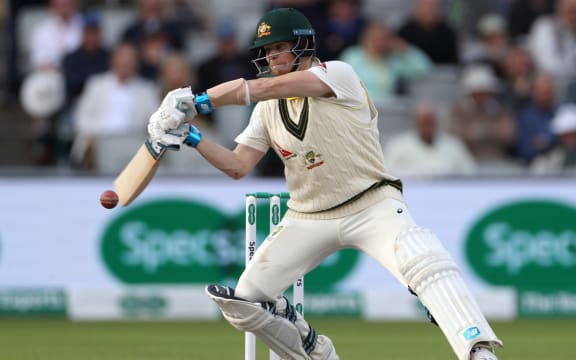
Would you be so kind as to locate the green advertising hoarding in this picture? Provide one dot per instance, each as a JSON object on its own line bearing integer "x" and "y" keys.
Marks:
{"x": 529, "y": 245}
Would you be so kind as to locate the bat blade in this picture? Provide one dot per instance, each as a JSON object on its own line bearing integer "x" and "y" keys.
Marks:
{"x": 137, "y": 174}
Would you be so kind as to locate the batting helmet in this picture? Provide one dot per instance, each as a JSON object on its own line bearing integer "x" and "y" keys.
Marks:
{"x": 284, "y": 24}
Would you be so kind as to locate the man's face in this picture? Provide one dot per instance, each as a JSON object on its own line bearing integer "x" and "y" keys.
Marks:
{"x": 425, "y": 123}
{"x": 65, "y": 9}
{"x": 544, "y": 91}
{"x": 125, "y": 61}
{"x": 518, "y": 62}
{"x": 427, "y": 12}
{"x": 567, "y": 12}
{"x": 92, "y": 38}
{"x": 568, "y": 140}
{"x": 280, "y": 57}
{"x": 376, "y": 39}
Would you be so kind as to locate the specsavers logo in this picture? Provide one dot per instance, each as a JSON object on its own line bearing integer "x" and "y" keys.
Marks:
{"x": 527, "y": 245}
{"x": 184, "y": 242}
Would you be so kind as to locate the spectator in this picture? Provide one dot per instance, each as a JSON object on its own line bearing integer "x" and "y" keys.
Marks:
{"x": 340, "y": 28}
{"x": 175, "y": 72}
{"x": 53, "y": 38}
{"x": 116, "y": 102}
{"x": 192, "y": 15}
{"x": 382, "y": 60}
{"x": 427, "y": 30}
{"x": 154, "y": 46}
{"x": 570, "y": 95}
{"x": 518, "y": 76}
{"x": 426, "y": 151}
{"x": 154, "y": 35}
{"x": 562, "y": 158}
{"x": 494, "y": 43}
{"x": 552, "y": 41}
{"x": 228, "y": 62}
{"x": 88, "y": 59}
{"x": 534, "y": 132}
{"x": 484, "y": 124}
{"x": 523, "y": 13}
{"x": 314, "y": 10}
{"x": 56, "y": 36}
{"x": 464, "y": 15}
{"x": 13, "y": 68}
{"x": 151, "y": 15}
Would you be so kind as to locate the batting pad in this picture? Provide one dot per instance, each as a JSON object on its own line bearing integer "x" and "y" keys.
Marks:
{"x": 434, "y": 276}
{"x": 278, "y": 333}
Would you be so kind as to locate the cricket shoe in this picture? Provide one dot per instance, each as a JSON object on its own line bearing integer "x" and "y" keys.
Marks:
{"x": 482, "y": 352}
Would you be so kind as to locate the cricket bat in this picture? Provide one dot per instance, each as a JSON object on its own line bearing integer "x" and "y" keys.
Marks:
{"x": 140, "y": 170}
{"x": 138, "y": 173}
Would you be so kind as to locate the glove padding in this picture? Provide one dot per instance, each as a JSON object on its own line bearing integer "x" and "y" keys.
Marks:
{"x": 186, "y": 134}
{"x": 177, "y": 108}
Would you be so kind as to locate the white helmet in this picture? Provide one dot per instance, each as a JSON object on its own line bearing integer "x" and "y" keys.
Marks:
{"x": 43, "y": 93}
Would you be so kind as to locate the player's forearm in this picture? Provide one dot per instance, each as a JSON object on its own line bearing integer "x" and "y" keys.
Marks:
{"x": 244, "y": 92}
{"x": 223, "y": 159}
{"x": 234, "y": 92}
{"x": 294, "y": 84}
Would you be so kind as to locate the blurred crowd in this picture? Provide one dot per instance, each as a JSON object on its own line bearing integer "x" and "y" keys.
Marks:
{"x": 463, "y": 88}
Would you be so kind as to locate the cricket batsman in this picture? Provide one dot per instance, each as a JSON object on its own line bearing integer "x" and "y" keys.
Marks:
{"x": 319, "y": 119}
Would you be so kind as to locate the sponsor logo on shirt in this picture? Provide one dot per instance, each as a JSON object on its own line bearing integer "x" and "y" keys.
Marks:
{"x": 286, "y": 155}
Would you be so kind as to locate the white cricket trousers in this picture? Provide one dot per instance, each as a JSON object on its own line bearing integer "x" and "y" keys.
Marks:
{"x": 299, "y": 245}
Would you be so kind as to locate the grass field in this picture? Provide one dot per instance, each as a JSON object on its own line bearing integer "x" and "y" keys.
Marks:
{"x": 51, "y": 339}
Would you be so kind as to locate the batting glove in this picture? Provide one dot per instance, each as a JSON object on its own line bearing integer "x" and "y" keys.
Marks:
{"x": 186, "y": 134}
{"x": 180, "y": 106}
{"x": 177, "y": 107}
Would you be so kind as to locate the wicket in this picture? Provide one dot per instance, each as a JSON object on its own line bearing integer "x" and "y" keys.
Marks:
{"x": 251, "y": 244}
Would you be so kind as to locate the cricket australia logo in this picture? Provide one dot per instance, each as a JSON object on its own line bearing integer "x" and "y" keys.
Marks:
{"x": 286, "y": 155}
{"x": 263, "y": 30}
{"x": 313, "y": 160}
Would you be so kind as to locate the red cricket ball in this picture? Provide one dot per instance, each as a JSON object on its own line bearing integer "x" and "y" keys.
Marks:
{"x": 109, "y": 199}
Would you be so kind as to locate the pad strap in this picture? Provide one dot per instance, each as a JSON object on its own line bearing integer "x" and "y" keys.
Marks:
{"x": 290, "y": 313}
{"x": 309, "y": 343}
